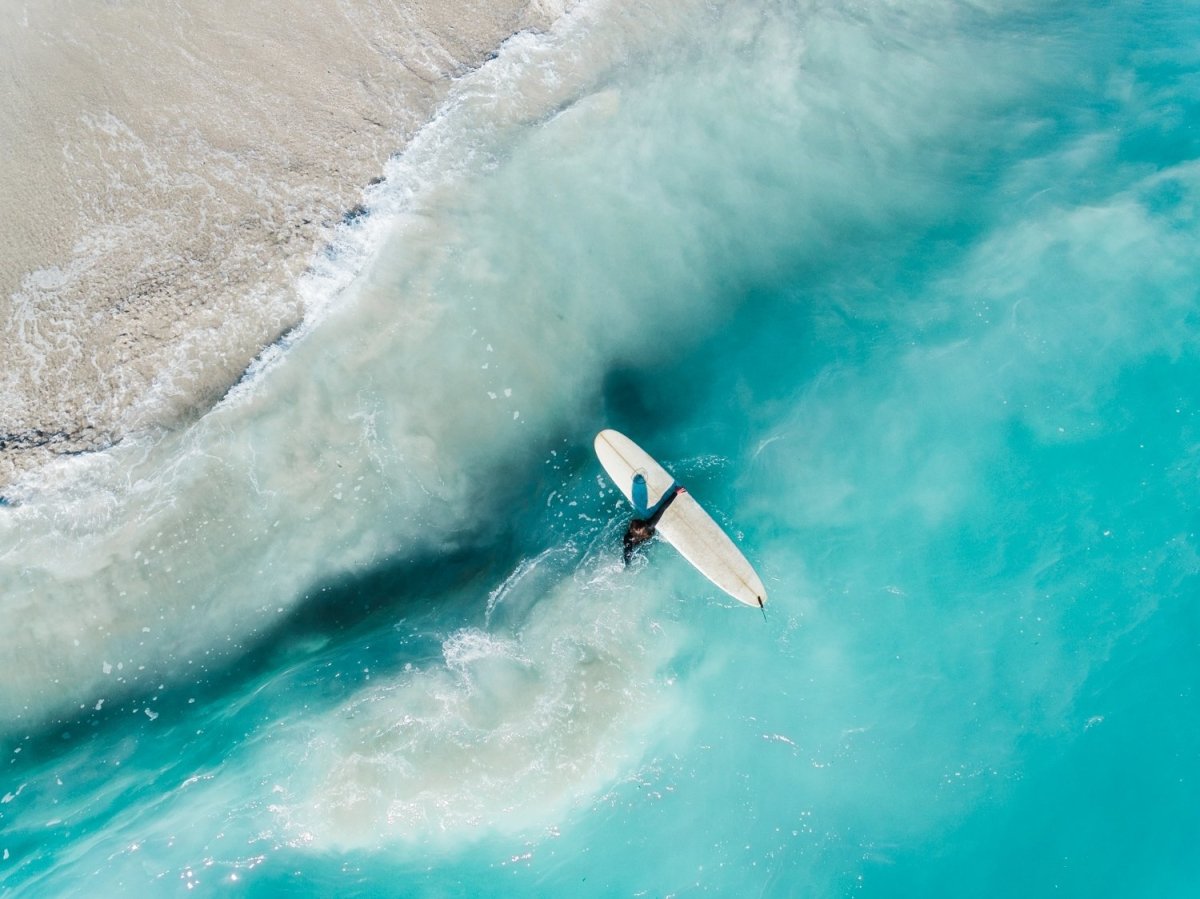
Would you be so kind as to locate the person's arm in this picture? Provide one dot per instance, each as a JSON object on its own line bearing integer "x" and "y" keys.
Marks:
{"x": 664, "y": 502}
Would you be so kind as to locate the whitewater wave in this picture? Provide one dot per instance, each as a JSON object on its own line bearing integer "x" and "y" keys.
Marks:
{"x": 559, "y": 221}
{"x": 503, "y": 734}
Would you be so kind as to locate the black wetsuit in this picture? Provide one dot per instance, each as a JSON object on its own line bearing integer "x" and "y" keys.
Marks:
{"x": 642, "y": 529}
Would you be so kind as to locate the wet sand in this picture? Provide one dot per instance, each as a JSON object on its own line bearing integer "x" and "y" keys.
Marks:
{"x": 170, "y": 170}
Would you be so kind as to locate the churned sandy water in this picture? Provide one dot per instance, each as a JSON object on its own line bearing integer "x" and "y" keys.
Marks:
{"x": 169, "y": 170}
{"x": 906, "y": 294}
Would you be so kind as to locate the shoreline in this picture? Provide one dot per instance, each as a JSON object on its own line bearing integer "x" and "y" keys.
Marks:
{"x": 173, "y": 174}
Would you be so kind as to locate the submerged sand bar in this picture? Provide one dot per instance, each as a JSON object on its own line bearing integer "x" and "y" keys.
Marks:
{"x": 168, "y": 171}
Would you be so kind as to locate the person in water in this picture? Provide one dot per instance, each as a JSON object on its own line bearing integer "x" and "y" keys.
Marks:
{"x": 642, "y": 527}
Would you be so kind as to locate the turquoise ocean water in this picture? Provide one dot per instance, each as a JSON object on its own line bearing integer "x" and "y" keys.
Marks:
{"x": 907, "y": 295}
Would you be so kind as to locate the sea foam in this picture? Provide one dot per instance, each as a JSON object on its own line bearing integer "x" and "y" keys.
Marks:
{"x": 814, "y": 255}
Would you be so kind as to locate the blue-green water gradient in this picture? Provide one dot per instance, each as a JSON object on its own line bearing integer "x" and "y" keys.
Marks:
{"x": 907, "y": 296}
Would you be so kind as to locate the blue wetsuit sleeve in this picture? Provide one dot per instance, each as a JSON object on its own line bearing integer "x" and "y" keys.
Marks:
{"x": 640, "y": 496}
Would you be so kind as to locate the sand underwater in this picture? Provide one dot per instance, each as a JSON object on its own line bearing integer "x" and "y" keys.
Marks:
{"x": 906, "y": 294}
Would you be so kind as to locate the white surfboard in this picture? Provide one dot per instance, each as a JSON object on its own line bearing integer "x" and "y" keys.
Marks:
{"x": 684, "y": 525}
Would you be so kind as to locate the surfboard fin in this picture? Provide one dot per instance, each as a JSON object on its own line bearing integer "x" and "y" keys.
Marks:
{"x": 763, "y": 607}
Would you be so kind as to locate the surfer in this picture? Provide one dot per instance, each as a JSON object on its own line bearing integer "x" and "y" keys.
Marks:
{"x": 642, "y": 529}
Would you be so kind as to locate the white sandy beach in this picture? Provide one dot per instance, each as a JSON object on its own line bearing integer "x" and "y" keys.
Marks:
{"x": 169, "y": 170}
